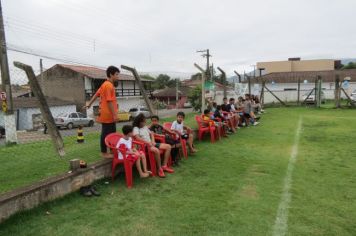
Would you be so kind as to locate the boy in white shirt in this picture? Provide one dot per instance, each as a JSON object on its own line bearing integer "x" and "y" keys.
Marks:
{"x": 132, "y": 154}
{"x": 182, "y": 131}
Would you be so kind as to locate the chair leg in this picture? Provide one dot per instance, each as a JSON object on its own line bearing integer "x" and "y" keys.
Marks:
{"x": 128, "y": 175}
{"x": 200, "y": 135}
{"x": 152, "y": 163}
{"x": 212, "y": 136}
{"x": 184, "y": 148}
{"x": 113, "y": 167}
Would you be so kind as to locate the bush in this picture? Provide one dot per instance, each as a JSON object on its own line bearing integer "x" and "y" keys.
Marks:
{"x": 195, "y": 98}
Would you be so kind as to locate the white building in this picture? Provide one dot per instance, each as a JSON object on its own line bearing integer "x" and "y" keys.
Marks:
{"x": 28, "y": 114}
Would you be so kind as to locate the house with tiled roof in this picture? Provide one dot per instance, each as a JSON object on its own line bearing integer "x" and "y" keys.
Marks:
{"x": 79, "y": 83}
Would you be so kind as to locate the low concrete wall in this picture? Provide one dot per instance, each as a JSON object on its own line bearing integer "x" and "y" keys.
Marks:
{"x": 31, "y": 196}
{"x": 28, "y": 197}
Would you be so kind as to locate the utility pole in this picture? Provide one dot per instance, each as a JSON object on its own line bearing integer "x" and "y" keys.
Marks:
{"x": 5, "y": 73}
{"x": 202, "y": 87}
{"x": 42, "y": 77}
{"x": 207, "y": 55}
{"x": 7, "y": 106}
{"x": 177, "y": 95}
{"x": 254, "y": 71}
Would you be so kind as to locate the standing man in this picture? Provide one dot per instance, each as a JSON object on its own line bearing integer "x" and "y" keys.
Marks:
{"x": 108, "y": 107}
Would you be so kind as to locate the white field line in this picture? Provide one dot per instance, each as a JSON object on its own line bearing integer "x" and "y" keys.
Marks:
{"x": 281, "y": 223}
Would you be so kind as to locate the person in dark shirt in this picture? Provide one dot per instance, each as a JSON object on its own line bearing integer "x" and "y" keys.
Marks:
{"x": 218, "y": 116}
{"x": 156, "y": 128}
{"x": 225, "y": 105}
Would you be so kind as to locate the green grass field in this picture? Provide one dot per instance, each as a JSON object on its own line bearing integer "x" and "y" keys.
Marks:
{"x": 23, "y": 164}
{"x": 233, "y": 187}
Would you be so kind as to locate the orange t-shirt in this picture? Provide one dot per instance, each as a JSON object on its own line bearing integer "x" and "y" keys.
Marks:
{"x": 106, "y": 92}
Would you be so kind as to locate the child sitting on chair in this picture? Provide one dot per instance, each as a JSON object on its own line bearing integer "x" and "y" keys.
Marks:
{"x": 156, "y": 128}
{"x": 183, "y": 131}
{"x": 143, "y": 134}
{"x": 132, "y": 154}
{"x": 209, "y": 121}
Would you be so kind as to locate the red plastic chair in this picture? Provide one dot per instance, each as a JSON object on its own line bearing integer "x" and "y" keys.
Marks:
{"x": 219, "y": 131}
{"x": 111, "y": 141}
{"x": 151, "y": 158}
{"x": 205, "y": 127}
{"x": 183, "y": 142}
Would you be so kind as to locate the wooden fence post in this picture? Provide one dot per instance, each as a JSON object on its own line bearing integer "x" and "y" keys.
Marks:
{"x": 223, "y": 76}
{"x": 45, "y": 111}
{"x": 298, "y": 92}
{"x": 142, "y": 89}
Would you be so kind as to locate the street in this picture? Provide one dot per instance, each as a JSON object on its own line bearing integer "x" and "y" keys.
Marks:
{"x": 33, "y": 136}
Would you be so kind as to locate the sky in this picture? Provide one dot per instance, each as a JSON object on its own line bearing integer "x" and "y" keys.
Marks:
{"x": 164, "y": 35}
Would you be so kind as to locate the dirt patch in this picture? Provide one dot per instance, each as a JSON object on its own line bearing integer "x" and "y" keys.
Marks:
{"x": 249, "y": 191}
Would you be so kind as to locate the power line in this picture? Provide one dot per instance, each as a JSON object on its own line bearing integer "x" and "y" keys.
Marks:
{"x": 43, "y": 55}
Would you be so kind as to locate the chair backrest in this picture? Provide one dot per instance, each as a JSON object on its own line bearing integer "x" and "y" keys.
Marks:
{"x": 167, "y": 125}
{"x": 112, "y": 139}
{"x": 199, "y": 121}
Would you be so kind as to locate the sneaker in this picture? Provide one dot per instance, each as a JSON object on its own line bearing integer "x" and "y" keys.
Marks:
{"x": 167, "y": 169}
{"x": 161, "y": 173}
{"x": 94, "y": 191}
{"x": 256, "y": 123}
{"x": 85, "y": 191}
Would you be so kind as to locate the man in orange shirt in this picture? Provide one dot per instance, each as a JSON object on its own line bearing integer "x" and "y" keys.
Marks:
{"x": 108, "y": 107}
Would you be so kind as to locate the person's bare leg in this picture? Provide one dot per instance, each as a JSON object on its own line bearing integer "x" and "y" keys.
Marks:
{"x": 138, "y": 166}
{"x": 190, "y": 143}
{"x": 167, "y": 153}
{"x": 217, "y": 127}
{"x": 157, "y": 157}
{"x": 144, "y": 163}
{"x": 232, "y": 126}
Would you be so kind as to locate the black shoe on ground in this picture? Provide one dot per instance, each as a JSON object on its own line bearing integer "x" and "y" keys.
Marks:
{"x": 85, "y": 191}
{"x": 94, "y": 191}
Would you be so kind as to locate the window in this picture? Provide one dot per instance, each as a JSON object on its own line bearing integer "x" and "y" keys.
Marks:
{"x": 73, "y": 115}
{"x": 81, "y": 115}
{"x": 133, "y": 110}
{"x": 144, "y": 109}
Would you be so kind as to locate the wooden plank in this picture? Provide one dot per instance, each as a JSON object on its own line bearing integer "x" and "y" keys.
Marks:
{"x": 142, "y": 88}
{"x": 45, "y": 111}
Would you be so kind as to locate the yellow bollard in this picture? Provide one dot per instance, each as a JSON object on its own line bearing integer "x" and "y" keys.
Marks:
{"x": 80, "y": 135}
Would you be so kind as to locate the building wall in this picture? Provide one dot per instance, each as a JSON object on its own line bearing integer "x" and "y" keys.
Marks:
{"x": 294, "y": 66}
{"x": 25, "y": 121}
{"x": 64, "y": 84}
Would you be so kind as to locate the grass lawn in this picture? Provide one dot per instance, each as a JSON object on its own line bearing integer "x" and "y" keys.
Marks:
{"x": 233, "y": 187}
{"x": 23, "y": 164}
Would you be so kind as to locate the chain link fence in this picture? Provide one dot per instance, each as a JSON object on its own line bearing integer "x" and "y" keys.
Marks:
{"x": 67, "y": 88}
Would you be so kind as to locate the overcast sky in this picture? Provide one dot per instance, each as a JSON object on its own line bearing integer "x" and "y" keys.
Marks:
{"x": 163, "y": 35}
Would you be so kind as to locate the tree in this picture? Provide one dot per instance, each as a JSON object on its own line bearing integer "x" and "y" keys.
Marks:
{"x": 161, "y": 81}
{"x": 196, "y": 76}
{"x": 173, "y": 83}
{"x": 148, "y": 77}
{"x": 350, "y": 65}
{"x": 194, "y": 98}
